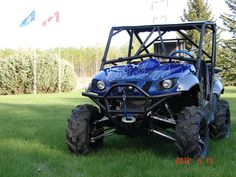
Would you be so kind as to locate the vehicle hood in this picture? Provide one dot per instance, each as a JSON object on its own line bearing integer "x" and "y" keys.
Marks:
{"x": 149, "y": 70}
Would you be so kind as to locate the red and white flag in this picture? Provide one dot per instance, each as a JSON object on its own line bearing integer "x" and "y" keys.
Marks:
{"x": 51, "y": 19}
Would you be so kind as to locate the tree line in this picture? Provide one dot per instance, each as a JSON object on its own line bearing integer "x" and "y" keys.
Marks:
{"x": 86, "y": 60}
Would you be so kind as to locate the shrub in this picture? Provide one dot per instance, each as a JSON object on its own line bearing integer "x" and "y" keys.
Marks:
{"x": 17, "y": 76}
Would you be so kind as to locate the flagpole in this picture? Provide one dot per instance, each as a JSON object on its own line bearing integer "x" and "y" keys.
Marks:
{"x": 58, "y": 57}
{"x": 35, "y": 61}
{"x": 56, "y": 14}
{"x": 35, "y": 70}
{"x": 25, "y": 22}
{"x": 59, "y": 69}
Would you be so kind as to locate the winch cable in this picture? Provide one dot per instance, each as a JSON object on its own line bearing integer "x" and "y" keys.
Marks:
{"x": 124, "y": 99}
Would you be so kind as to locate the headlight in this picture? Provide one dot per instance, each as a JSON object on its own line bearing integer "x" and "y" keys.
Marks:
{"x": 167, "y": 84}
{"x": 100, "y": 85}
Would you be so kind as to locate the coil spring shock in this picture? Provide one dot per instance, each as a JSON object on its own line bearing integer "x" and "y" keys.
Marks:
{"x": 168, "y": 110}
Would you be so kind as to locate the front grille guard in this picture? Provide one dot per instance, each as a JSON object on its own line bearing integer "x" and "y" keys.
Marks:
{"x": 103, "y": 101}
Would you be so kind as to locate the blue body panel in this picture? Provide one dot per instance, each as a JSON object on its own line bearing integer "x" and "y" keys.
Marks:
{"x": 149, "y": 70}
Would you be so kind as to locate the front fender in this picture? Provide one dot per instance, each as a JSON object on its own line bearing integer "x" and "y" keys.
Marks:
{"x": 187, "y": 82}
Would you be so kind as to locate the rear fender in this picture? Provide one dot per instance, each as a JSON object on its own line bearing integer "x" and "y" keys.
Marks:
{"x": 218, "y": 87}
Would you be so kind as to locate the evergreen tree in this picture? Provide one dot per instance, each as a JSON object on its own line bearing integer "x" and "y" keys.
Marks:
{"x": 229, "y": 21}
{"x": 226, "y": 61}
{"x": 228, "y": 54}
{"x": 198, "y": 10}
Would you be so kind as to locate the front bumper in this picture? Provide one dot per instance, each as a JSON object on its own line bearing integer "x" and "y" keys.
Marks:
{"x": 120, "y": 92}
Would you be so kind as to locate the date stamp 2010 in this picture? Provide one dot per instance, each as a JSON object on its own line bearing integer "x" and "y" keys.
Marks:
{"x": 188, "y": 161}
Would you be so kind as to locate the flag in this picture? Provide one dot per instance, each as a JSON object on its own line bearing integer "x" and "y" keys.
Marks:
{"x": 28, "y": 19}
{"x": 53, "y": 18}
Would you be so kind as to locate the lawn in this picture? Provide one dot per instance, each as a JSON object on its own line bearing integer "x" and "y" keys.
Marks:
{"x": 32, "y": 143}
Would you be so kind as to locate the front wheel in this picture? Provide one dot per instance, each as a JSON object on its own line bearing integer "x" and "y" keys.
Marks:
{"x": 192, "y": 133}
{"x": 81, "y": 128}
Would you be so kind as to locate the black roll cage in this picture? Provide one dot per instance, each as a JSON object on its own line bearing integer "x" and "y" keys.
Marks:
{"x": 162, "y": 29}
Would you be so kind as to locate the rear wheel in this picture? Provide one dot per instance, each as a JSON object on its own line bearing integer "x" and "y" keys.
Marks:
{"x": 221, "y": 126}
{"x": 81, "y": 128}
{"x": 192, "y": 133}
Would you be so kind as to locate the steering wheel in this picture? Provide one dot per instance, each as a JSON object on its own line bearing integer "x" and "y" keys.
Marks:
{"x": 182, "y": 51}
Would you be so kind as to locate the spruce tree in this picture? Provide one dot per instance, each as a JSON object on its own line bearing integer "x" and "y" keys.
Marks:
{"x": 198, "y": 10}
{"x": 229, "y": 21}
{"x": 228, "y": 49}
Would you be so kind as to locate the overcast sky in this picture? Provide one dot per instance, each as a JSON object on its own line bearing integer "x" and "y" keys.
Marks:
{"x": 83, "y": 22}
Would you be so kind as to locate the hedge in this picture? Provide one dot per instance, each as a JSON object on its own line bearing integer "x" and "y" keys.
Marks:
{"x": 17, "y": 76}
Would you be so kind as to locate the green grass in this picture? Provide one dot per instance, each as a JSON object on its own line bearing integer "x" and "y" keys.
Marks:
{"x": 32, "y": 143}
